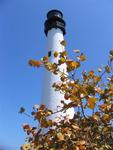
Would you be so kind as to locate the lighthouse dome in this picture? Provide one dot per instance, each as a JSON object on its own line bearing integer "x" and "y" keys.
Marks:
{"x": 54, "y": 13}
{"x": 54, "y": 20}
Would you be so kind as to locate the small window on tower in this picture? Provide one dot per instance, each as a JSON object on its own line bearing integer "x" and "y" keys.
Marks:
{"x": 49, "y": 54}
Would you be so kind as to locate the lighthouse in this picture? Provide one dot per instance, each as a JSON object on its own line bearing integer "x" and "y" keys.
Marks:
{"x": 54, "y": 29}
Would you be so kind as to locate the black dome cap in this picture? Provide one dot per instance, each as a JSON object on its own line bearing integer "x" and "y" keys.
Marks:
{"x": 54, "y": 20}
{"x": 54, "y": 13}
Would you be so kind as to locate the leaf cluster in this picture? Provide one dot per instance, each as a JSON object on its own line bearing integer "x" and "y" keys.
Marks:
{"x": 91, "y": 95}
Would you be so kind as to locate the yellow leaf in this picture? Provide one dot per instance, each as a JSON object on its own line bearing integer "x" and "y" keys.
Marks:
{"x": 45, "y": 58}
{"x": 71, "y": 65}
{"x": 103, "y": 106}
{"x": 74, "y": 64}
{"x": 91, "y": 102}
{"x": 56, "y": 54}
{"x": 111, "y": 91}
{"x": 49, "y": 123}
{"x": 107, "y": 68}
{"x": 61, "y": 60}
{"x": 35, "y": 63}
{"x": 97, "y": 78}
{"x": 63, "y": 54}
{"x": 96, "y": 117}
{"x": 75, "y": 127}
{"x": 99, "y": 70}
{"x": 42, "y": 107}
{"x": 26, "y": 146}
{"x": 98, "y": 89}
{"x": 44, "y": 123}
{"x": 26, "y": 126}
{"x": 76, "y": 51}
{"x": 77, "y": 148}
{"x": 105, "y": 129}
{"x": 60, "y": 136}
{"x": 73, "y": 98}
{"x": 63, "y": 78}
{"x": 66, "y": 96}
{"x": 82, "y": 57}
{"x": 106, "y": 117}
{"x": 109, "y": 79}
{"x": 82, "y": 142}
{"x": 38, "y": 115}
{"x": 91, "y": 73}
{"x": 82, "y": 147}
{"x": 48, "y": 112}
{"x": 63, "y": 43}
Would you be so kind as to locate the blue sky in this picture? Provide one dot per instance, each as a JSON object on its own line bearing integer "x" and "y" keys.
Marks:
{"x": 89, "y": 28}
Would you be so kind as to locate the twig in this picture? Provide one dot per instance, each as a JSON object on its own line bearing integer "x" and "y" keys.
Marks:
{"x": 28, "y": 115}
{"x": 82, "y": 110}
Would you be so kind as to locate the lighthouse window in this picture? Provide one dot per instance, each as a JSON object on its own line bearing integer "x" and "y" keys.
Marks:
{"x": 49, "y": 53}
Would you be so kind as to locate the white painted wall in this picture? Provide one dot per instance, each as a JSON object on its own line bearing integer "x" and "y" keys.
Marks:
{"x": 50, "y": 97}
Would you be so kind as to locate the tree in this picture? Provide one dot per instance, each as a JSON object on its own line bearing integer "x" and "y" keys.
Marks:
{"x": 92, "y": 91}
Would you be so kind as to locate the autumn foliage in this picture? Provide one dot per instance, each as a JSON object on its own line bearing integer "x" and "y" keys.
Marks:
{"x": 92, "y": 97}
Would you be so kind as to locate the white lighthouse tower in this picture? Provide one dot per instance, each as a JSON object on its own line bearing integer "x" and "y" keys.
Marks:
{"x": 55, "y": 31}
